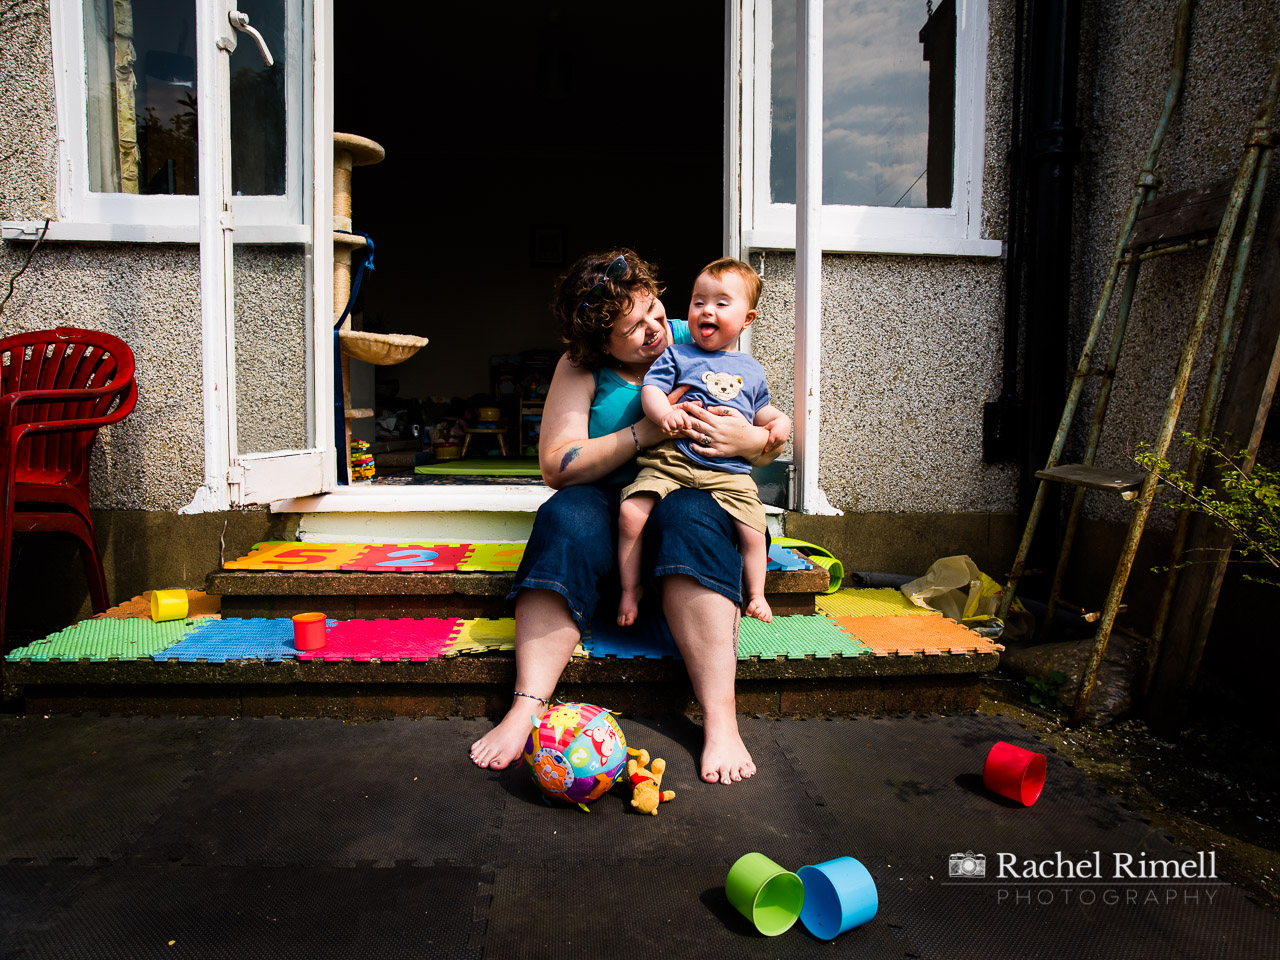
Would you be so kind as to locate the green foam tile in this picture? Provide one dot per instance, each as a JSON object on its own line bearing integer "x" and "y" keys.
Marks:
{"x": 796, "y": 636}
{"x": 106, "y": 639}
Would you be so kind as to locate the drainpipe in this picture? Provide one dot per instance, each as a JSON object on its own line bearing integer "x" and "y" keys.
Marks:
{"x": 808, "y": 359}
{"x": 1042, "y": 267}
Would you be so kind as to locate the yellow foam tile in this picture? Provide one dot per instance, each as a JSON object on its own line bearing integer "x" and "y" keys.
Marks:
{"x": 493, "y": 557}
{"x": 872, "y": 602}
{"x": 297, "y": 556}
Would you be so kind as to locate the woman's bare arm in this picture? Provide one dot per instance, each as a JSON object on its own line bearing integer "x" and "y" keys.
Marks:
{"x": 566, "y": 455}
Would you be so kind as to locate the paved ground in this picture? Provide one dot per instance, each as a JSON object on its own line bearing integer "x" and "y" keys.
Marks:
{"x": 211, "y": 838}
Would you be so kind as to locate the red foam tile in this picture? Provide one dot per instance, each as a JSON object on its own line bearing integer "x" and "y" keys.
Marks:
{"x": 386, "y": 640}
{"x": 409, "y": 557}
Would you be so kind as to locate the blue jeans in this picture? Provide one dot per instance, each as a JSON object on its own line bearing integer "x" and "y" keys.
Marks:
{"x": 573, "y": 549}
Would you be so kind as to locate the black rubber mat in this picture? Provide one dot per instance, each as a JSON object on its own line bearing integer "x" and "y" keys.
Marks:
{"x": 135, "y": 912}
{"x": 907, "y": 794}
{"x": 317, "y": 839}
{"x": 89, "y": 787}
{"x": 325, "y": 792}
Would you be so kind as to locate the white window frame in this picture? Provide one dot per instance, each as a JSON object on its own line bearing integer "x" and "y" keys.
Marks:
{"x": 954, "y": 230}
{"x": 85, "y": 215}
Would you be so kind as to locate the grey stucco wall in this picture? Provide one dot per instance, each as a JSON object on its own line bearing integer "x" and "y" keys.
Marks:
{"x": 910, "y": 351}
{"x": 28, "y": 120}
{"x": 149, "y": 296}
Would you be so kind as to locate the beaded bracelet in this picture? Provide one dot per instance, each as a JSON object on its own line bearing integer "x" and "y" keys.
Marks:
{"x": 634, "y": 438}
{"x": 532, "y": 697}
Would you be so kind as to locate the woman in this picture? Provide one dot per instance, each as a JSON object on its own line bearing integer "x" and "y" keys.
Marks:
{"x": 615, "y": 326}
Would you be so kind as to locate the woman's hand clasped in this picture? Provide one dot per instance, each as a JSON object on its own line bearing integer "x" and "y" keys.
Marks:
{"x": 724, "y": 432}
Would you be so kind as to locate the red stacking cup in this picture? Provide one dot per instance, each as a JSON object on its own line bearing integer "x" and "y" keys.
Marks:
{"x": 1014, "y": 773}
{"x": 308, "y": 631}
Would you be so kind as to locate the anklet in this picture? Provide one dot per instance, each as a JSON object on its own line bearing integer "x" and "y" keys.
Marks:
{"x": 532, "y": 697}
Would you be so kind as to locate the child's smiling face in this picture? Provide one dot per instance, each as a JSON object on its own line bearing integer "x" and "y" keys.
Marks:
{"x": 719, "y": 310}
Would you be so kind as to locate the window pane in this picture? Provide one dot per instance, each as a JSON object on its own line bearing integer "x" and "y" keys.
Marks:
{"x": 141, "y": 80}
{"x": 141, "y": 72}
{"x": 888, "y": 103}
{"x": 258, "y": 104}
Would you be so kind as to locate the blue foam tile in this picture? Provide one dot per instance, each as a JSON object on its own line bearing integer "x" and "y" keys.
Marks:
{"x": 218, "y": 641}
{"x": 784, "y": 558}
{"x": 649, "y": 637}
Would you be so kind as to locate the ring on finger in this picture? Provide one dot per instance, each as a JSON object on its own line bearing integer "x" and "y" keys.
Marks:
{"x": 706, "y": 439}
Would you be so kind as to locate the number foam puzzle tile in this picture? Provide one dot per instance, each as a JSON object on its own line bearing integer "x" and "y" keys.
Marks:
{"x": 493, "y": 557}
{"x": 297, "y": 556}
{"x": 408, "y": 557}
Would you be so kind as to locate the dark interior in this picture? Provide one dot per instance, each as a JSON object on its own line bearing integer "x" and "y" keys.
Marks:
{"x": 519, "y": 137}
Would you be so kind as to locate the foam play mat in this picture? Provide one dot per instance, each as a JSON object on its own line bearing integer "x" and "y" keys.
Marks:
{"x": 361, "y": 640}
{"x": 217, "y": 641}
{"x": 418, "y": 557}
{"x": 797, "y": 636}
{"x": 908, "y": 636}
{"x": 877, "y": 602}
{"x": 199, "y": 604}
{"x": 108, "y": 639}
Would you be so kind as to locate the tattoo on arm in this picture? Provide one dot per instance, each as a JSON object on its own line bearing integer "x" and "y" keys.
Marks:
{"x": 571, "y": 455}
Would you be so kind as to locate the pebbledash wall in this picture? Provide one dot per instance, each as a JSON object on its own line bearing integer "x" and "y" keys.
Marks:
{"x": 911, "y": 346}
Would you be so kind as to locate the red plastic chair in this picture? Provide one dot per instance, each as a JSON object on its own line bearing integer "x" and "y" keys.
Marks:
{"x": 57, "y": 389}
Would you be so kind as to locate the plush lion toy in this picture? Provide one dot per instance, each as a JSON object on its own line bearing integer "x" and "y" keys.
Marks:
{"x": 646, "y": 785}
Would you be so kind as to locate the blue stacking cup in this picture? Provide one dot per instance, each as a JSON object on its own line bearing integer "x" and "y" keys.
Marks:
{"x": 838, "y": 896}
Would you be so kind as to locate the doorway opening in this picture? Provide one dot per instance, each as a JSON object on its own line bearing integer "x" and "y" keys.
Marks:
{"x": 518, "y": 137}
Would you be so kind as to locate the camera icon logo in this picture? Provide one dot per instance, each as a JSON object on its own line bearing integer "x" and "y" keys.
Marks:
{"x": 967, "y": 865}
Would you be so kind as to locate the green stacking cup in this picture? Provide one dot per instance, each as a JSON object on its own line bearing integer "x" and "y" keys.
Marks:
{"x": 766, "y": 894}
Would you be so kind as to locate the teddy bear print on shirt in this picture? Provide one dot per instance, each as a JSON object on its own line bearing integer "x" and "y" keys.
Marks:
{"x": 725, "y": 386}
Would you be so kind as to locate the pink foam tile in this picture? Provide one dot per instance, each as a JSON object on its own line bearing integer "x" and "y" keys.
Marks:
{"x": 424, "y": 639}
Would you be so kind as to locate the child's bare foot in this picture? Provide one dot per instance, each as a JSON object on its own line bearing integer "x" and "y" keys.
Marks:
{"x": 759, "y": 608}
{"x": 725, "y": 758}
{"x": 504, "y": 744}
{"x": 628, "y": 606}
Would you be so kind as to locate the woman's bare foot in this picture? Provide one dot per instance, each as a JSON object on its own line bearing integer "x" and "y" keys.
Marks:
{"x": 758, "y": 607}
{"x": 628, "y": 606}
{"x": 725, "y": 758}
{"x": 504, "y": 744}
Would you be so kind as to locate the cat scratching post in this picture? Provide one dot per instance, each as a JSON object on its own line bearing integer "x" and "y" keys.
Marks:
{"x": 351, "y": 151}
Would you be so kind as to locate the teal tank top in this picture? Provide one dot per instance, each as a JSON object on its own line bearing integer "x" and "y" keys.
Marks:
{"x": 617, "y": 404}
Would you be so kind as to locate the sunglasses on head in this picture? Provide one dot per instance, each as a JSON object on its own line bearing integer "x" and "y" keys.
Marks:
{"x": 615, "y": 271}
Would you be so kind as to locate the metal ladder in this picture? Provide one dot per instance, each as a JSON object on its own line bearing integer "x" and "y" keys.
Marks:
{"x": 1171, "y": 224}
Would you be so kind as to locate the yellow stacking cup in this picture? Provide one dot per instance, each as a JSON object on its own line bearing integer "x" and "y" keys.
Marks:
{"x": 168, "y": 605}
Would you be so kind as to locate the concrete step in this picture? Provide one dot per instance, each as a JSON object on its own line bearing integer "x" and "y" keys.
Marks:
{"x": 474, "y": 684}
{"x": 346, "y": 595}
{"x": 480, "y": 685}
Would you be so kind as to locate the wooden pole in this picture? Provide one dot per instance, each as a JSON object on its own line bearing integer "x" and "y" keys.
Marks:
{"x": 1246, "y": 400}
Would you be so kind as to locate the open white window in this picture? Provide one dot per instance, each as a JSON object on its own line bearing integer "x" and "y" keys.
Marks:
{"x": 903, "y": 115}
{"x": 127, "y": 82}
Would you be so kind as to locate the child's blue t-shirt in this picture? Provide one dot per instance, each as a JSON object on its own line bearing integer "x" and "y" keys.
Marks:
{"x": 725, "y": 378}
{"x": 616, "y": 404}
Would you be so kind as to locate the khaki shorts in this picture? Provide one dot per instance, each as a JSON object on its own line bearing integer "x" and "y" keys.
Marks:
{"x": 664, "y": 468}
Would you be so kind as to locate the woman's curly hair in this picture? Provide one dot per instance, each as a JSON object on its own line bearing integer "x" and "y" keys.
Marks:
{"x": 586, "y": 319}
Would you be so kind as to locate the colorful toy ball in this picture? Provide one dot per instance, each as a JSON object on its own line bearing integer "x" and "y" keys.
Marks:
{"x": 575, "y": 752}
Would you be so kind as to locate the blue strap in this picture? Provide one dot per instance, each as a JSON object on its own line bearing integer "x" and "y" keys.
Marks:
{"x": 365, "y": 264}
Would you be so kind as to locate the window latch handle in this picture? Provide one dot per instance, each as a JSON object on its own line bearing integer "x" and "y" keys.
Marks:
{"x": 240, "y": 21}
